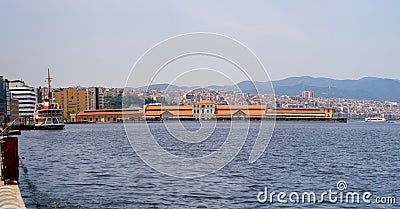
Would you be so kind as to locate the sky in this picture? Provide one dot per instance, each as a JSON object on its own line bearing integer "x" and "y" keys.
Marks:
{"x": 96, "y": 43}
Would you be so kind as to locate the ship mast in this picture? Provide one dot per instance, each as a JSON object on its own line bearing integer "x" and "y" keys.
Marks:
{"x": 49, "y": 86}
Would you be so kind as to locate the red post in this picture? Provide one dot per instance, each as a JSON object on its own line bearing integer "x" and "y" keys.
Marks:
{"x": 10, "y": 160}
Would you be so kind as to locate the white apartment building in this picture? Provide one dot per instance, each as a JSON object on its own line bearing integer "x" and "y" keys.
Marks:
{"x": 26, "y": 96}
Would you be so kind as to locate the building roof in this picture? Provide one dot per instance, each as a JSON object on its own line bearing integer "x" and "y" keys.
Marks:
{"x": 160, "y": 107}
{"x": 225, "y": 112}
{"x": 205, "y": 102}
{"x": 110, "y": 112}
{"x": 254, "y": 112}
{"x": 241, "y": 107}
{"x": 182, "y": 110}
{"x": 153, "y": 113}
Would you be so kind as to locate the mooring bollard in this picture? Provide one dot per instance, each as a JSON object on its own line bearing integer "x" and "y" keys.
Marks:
{"x": 10, "y": 160}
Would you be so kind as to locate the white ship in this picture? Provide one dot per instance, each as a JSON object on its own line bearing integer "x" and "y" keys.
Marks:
{"x": 375, "y": 119}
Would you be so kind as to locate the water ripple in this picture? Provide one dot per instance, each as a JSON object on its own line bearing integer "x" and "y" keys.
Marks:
{"x": 93, "y": 166}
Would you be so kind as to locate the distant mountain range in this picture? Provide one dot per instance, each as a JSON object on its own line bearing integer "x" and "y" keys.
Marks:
{"x": 365, "y": 88}
{"x": 371, "y": 88}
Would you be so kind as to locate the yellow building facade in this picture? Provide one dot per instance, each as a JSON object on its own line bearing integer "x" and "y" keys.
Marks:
{"x": 328, "y": 112}
{"x": 72, "y": 100}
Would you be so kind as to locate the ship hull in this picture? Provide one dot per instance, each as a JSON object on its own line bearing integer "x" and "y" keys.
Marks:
{"x": 375, "y": 120}
{"x": 50, "y": 127}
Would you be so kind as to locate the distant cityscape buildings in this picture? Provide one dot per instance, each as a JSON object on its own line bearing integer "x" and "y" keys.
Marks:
{"x": 72, "y": 99}
{"x": 8, "y": 106}
{"x": 307, "y": 94}
{"x": 26, "y": 96}
{"x": 5, "y": 99}
{"x": 95, "y": 98}
{"x": 342, "y": 107}
{"x": 76, "y": 99}
{"x": 17, "y": 99}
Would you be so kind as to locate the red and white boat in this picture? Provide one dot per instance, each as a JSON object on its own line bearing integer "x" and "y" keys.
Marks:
{"x": 48, "y": 114}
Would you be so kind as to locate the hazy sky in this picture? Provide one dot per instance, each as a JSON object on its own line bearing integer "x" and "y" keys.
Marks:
{"x": 97, "y": 42}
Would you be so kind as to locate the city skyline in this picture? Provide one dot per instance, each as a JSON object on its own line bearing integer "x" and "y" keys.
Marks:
{"x": 96, "y": 43}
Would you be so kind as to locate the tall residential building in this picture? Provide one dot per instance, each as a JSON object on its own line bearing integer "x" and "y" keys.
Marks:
{"x": 5, "y": 98}
{"x": 40, "y": 92}
{"x": 72, "y": 100}
{"x": 26, "y": 96}
{"x": 95, "y": 100}
{"x": 307, "y": 94}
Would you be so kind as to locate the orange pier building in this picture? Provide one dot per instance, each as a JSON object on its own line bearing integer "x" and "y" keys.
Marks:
{"x": 107, "y": 115}
{"x": 207, "y": 110}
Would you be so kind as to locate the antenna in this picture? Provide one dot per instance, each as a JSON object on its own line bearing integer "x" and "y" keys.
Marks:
{"x": 49, "y": 85}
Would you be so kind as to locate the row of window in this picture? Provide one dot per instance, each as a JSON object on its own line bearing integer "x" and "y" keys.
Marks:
{"x": 203, "y": 106}
{"x": 204, "y": 111}
{"x": 97, "y": 119}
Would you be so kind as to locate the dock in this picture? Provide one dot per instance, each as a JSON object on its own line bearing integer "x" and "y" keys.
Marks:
{"x": 10, "y": 195}
{"x": 208, "y": 110}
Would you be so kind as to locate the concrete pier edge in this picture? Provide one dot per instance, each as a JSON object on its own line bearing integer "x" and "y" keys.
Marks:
{"x": 10, "y": 197}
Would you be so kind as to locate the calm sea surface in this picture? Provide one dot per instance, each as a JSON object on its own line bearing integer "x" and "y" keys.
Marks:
{"x": 94, "y": 166}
